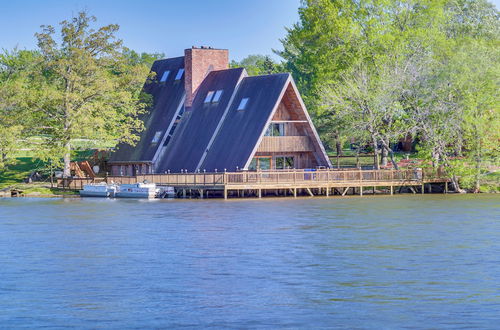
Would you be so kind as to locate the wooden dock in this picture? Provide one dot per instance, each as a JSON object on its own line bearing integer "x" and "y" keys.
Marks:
{"x": 325, "y": 182}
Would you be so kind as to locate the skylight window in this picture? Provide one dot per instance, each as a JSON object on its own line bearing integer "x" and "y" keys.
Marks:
{"x": 156, "y": 138}
{"x": 164, "y": 77}
{"x": 179, "y": 74}
{"x": 208, "y": 99}
{"x": 243, "y": 103}
{"x": 217, "y": 96}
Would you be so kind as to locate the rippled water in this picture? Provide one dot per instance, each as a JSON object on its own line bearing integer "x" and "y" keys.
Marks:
{"x": 375, "y": 262}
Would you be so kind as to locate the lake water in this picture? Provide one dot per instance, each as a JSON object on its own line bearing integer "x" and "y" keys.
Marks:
{"x": 428, "y": 261}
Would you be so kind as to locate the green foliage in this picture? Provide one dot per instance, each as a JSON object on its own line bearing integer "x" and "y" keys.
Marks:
{"x": 86, "y": 87}
{"x": 258, "y": 65}
{"x": 380, "y": 70}
{"x": 14, "y": 68}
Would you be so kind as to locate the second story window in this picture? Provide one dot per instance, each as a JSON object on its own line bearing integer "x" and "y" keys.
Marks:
{"x": 276, "y": 129}
{"x": 179, "y": 74}
{"x": 164, "y": 77}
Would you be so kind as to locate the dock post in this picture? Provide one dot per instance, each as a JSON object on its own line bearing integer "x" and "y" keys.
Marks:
{"x": 260, "y": 193}
{"x": 183, "y": 193}
{"x": 392, "y": 190}
{"x": 423, "y": 188}
{"x": 327, "y": 192}
{"x": 446, "y": 187}
{"x": 225, "y": 193}
{"x": 294, "y": 192}
{"x": 201, "y": 193}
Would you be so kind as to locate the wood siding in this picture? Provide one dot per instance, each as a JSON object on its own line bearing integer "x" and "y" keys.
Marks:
{"x": 286, "y": 144}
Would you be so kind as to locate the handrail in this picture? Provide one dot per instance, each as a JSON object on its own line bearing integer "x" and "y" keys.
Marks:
{"x": 272, "y": 177}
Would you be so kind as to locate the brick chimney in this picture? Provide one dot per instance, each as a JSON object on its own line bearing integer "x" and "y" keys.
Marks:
{"x": 198, "y": 62}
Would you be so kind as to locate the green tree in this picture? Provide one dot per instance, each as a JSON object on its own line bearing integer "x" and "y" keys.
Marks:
{"x": 258, "y": 65}
{"x": 85, "y": 88}
{"x": 378, "y": 70}
{"x": 14, "y": 68}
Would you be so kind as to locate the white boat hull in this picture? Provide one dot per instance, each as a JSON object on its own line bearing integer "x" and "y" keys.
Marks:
{"x": 137, "y": 190}
{"x": 129, "y": 194}
{"x": 84, "y": 193}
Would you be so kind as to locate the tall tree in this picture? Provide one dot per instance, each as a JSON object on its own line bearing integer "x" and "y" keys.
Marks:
{"x": 84, "y": 88}
{"x": 380, "y": 69}
{"x": 14, "y": 70}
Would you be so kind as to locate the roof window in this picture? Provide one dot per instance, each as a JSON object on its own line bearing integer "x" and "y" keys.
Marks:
{"x": 156, "y": 138}
{"x": 217, "y": 96}
{"x": 243, "y": 103}
{"x": 208, "y": 99}
{"x": 179, "y": 74}
{"x": 164, "y": 76}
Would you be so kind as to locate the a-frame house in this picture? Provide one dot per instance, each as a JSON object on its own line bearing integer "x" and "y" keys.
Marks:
{"x": 206, "y": 117}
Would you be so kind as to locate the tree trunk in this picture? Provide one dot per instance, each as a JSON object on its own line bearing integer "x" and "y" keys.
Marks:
{"x": 456, "y": 185}
{"x": 387, "y": 149}
{"x": 338, "y": 146}
{"x": 339, "y": 151}
{"x": 375, "y": 154}
{"x": 384, "y": 157}
{"x": 67, "y": 160}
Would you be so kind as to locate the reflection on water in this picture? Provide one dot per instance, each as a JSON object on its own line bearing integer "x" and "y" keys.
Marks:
{"x": 410, "y": 261}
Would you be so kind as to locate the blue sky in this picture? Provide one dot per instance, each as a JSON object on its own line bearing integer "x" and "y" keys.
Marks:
{"x": 169, "y": 26}
{"x": 243, "y": 26}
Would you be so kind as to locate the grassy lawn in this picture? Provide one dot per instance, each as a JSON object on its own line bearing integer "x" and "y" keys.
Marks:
{"x": 491, "y": 183}
{"x": 18, "y": 172}
{"x": 349, "y": 158}
{"x": 27, "y": 164}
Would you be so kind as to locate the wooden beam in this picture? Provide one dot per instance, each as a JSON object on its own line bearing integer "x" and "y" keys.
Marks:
{"x": 310, "y": 192}
{"x": 345, "y": 191}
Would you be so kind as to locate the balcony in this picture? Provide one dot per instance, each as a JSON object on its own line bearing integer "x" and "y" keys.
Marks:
{"x": 286, "y": 144}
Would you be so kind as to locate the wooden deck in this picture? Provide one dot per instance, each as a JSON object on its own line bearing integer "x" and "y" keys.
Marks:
{"x": 288, "y": 182}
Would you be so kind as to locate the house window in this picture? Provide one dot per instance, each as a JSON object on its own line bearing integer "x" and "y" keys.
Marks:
{"x": 261, "y": 163}
{"x": 282, "y": 163}
{"x": 179, "y": 74}
{"x": 156, "y": 138}
{"x": 243, "y": 104}
{"x": 276, "y": 129}
{"x": 217, "y": 96}
{"x": 208, "y": 99}
{"x": 164, "y": 77}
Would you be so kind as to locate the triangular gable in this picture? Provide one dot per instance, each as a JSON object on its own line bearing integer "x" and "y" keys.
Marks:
{"x": 290, "y": 90}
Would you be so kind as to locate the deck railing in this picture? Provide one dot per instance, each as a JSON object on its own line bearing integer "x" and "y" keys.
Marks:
{"x": 270, "y": 178}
